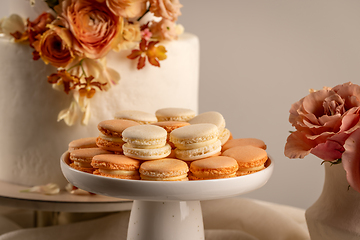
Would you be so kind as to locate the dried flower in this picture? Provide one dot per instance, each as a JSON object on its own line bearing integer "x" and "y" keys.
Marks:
{"x": 76, "y": 191}
{"x": 48, "y": 189}
{"x": 69, "y": 115}
{"x": 13, "y": 25}
{"x": 64, "y": 78}
{"x": 153, "y": 53}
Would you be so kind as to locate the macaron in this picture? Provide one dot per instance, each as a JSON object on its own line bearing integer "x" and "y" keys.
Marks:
{"x": 81, "y": 158}
{"x": 167, "y": 169}
{"x": 213, "y": 168}
{"x": 243, "y": 142}
{"x": 197, "y": 141}
{"x": 110, "y": 136}
{"x": 146, "y": 142}
{"x": 116, "y": 166}
{"x": 137, "y": 116}
{"x": 174, "y": 114}
{"x": 215, "y": 118}
{"x": 89, "y": 142}
{"x": 249, "y": 158}
{"x": 169, "y": 126}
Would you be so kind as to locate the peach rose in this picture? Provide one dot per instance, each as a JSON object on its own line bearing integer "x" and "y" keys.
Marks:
{"x": 131, "y": 36}
{"x": 54, "y": 46}
{"x": 324, "y": 120}
{"x": 96, "y": 29}
{"x": 127, "y": 8}
{"x": 164, "y": 30}
{"x": 169, "y": 9}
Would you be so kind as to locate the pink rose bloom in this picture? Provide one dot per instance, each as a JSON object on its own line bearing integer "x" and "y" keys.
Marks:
{"x": 127, "y": 8}
{"x": 324, "y": 120}
{"x": 96, "y": 29}
{"x": 164, "y": 30}
{"x": 169, "y": 9}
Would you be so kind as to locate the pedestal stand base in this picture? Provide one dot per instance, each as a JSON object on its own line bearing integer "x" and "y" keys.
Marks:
{"x": 176, "y": 220}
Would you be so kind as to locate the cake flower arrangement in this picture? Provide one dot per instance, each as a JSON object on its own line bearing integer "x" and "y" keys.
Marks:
{"x": 75, "y": 37}
{"x": 327, "y": 124}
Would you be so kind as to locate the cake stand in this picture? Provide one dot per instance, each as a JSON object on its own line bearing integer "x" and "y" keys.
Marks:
{"x": 166, "y": 210}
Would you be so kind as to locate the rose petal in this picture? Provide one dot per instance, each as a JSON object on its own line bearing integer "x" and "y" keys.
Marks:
{"x": 298, "y": 146}
{"x": 351, "y": 160}
{"x": 328, "y": 151}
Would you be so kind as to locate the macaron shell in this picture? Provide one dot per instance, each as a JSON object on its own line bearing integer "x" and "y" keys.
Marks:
{"x": 213, "y": 117}
{"x": 89, "y": 142}
{"x": 115, "y": 127}
{"x": 145, "y": 135}
{"x": 247, "y": 156}
{"x": 115, "y": 162}
{"x": 193, "y": 134}
{"x": 86, "y": 154}
{"x": 243, "y": 142}
{"x": 134, "y": 175}
{"x": 174, "y": 114}
{"x": 224, "y": 136}
{"x": 169, "y": 126}
{"x": 137, "y": 116}
{"x": 82, "y": 169}
{"x": 109, "y": 145}
{"x": 164, "y": 169}
{"x": 146, "y": 153}
{"x": 199, "y": 153}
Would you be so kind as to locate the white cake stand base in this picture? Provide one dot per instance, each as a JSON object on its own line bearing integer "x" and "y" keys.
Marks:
{"x": 166, "y": 210}
{"x": 166, "y": 220}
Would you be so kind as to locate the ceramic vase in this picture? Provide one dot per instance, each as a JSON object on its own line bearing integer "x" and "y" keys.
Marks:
{"x": 336, "y": 214}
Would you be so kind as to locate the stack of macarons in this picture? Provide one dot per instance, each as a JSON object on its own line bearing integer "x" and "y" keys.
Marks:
{"x": 110, "y": 136}
{"x": 217, "y": 119}
{"x": 173, "y": 144}
{"x": 146, "y": 142}
{"x": 196, "y": 141}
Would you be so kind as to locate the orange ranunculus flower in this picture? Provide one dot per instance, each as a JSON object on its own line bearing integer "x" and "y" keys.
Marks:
{"x": 169, "y": 9}
{"x": 54, "y": 46}
{"x": 96, "y": 29}
{"x": 127, "y": 8}
{"x": 38, "y": 26}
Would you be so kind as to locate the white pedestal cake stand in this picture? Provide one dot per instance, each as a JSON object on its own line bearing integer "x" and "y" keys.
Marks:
{"x": 166, "y": 210}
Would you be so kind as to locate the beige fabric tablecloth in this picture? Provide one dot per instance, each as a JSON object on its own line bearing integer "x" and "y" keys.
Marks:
{"x": 225, "y": 219}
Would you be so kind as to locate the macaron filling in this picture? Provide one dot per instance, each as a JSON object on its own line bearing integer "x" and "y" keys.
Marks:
{"x": 146, "y": 153}
{"x": 198, "y": 153}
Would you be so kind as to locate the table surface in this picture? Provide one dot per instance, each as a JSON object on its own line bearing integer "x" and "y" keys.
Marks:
{"x": 11, "y": 196}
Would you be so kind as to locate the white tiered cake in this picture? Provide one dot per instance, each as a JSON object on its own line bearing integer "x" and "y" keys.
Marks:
{"x": 32, "y": 140}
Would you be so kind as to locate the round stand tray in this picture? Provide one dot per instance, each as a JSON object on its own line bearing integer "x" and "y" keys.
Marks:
{"x": 166, "y": 210}
{"x": 11, "y": 195}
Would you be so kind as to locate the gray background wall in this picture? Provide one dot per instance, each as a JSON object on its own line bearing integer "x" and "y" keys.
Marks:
{"x": 260, "y": 56}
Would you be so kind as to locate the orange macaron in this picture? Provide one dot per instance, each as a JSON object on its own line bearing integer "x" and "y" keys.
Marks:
{"x": 243, "y": 142}
{"x": 167, "y": 169}
{"x": 81, "y": 158}
{"x": 249, "y": 158}
{"x": 213, "y": 168}
{"x": 89, "y": 142}
{"x": 116, "y": 166}
{"x": 110, "y": 136}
